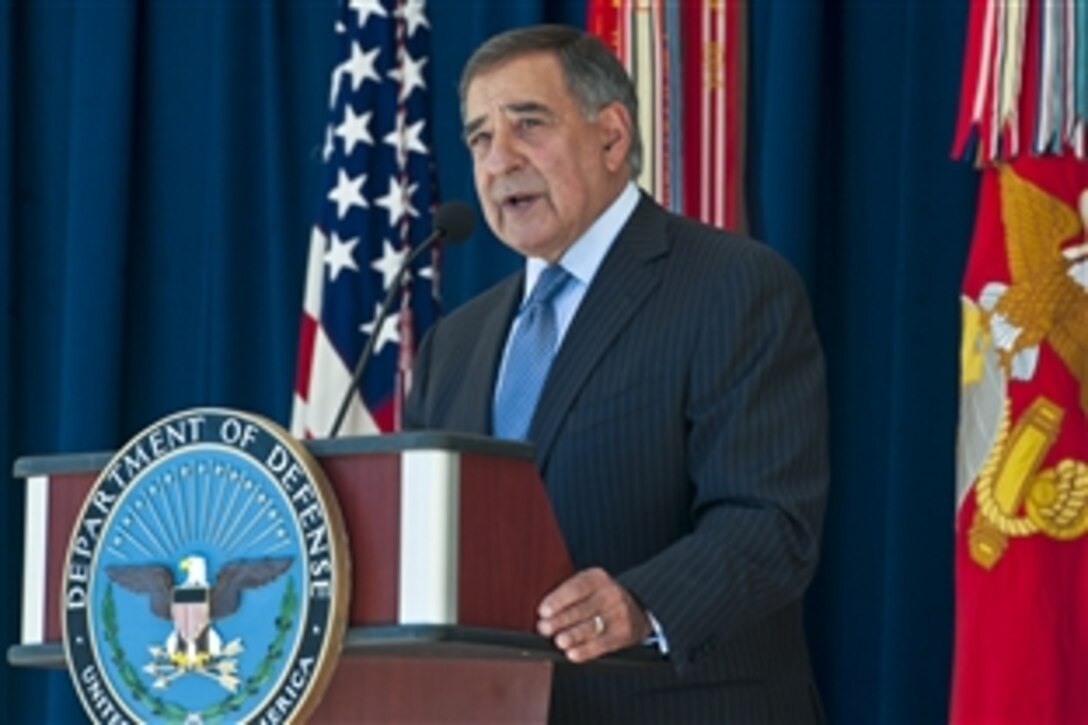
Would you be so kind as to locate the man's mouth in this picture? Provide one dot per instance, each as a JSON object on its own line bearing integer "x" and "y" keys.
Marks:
{"x": 518, "y": 202}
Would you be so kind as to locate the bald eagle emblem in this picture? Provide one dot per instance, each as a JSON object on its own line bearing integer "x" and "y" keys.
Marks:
{"x": 194, "y": 645}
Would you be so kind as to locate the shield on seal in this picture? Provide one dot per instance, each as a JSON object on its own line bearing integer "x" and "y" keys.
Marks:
{"x": 190, "y": 611}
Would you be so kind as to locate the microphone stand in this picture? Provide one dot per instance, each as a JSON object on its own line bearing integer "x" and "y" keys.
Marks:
{"x": 383, "y": 311}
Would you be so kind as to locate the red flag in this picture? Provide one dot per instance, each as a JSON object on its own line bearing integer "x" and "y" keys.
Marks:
{"x": 1021, "y": 650}
{"x": 1021, "y": 643}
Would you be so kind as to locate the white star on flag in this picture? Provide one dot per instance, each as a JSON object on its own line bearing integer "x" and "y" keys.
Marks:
{"x": 398, "y": 201}
{"x": 341, "y": 255}
{"x": 388, "y": 264}
{"x": 360, "y": 66}
{"x": 389, "y": 331}
{"x": 413, "y": 14}
{"x": 406, "y": 139}
{"x": 354, "y": 129}
{"x": 365, "y": 8}
{"x": 410, "y": 76}
{"x": 347, "y": 193}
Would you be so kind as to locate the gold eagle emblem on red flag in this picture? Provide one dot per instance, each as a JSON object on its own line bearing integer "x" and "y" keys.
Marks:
{"x": 1044, "y": 306}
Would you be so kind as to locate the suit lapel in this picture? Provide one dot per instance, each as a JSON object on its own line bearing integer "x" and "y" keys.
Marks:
{"x": 625, "y": 278}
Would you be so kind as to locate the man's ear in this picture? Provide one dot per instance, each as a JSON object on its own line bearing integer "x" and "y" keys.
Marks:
{"x": 615, "y": 134}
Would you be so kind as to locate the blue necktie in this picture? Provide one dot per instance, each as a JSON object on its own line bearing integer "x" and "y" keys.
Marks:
{"x": 531, "y": 351}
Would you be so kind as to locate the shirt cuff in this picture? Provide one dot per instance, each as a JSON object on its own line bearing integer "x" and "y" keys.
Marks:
{"x": 658, "y": 638}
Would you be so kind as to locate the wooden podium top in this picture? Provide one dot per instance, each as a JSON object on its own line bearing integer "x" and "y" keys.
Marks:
{"x": 27, "y": 466}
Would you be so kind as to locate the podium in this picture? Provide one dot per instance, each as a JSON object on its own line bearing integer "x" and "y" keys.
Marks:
{"x": 452, "y": 542}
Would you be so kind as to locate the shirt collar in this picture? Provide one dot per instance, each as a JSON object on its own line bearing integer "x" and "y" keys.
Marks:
{"x": 583, "y": 257}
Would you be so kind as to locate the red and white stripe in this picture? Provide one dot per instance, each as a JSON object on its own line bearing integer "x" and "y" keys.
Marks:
{"x": 323, "y": 376}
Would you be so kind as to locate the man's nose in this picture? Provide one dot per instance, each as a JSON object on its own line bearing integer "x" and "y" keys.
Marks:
{"x": 503, "y": 154}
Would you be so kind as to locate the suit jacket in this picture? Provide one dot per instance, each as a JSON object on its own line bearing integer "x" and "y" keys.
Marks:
{"x": 681, "y": 436}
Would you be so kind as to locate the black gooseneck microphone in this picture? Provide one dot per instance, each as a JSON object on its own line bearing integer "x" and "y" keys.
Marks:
{"x": 453, "y": 222}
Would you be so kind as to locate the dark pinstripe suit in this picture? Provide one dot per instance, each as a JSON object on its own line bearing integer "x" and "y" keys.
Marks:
{"x": 681, "y": 435}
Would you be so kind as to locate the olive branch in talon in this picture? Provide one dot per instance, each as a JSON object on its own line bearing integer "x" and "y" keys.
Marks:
{"x": 221, "y": 667}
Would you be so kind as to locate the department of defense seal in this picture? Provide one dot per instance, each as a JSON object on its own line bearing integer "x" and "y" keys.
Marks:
{"x": 207, "y": 576}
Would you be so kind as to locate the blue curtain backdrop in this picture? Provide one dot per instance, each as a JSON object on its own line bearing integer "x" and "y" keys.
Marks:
{"x": 160, "y": 166}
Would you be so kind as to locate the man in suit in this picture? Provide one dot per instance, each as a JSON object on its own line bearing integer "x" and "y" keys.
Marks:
{"x": 680, "y": 428}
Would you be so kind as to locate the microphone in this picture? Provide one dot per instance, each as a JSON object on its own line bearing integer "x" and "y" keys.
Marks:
{"x": 453, "y": 222}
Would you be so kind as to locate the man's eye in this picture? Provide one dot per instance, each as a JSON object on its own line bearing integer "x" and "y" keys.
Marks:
{"x": 478, "y": 140}
{"x": 527, "y": 123}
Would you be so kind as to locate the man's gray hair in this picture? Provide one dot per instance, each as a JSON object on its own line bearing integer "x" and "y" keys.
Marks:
{"x": 593, "y": 74}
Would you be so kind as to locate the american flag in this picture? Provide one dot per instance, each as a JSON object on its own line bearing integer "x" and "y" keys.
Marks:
{"x": 376, "y": 204}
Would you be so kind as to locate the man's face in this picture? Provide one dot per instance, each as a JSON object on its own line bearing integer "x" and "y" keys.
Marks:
{"x": 543, "y": 171}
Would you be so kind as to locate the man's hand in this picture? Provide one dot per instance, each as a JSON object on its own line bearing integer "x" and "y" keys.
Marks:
{"x": 591, "y": 614}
